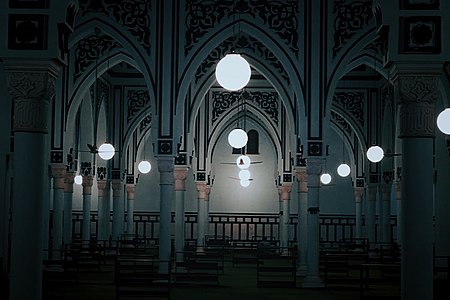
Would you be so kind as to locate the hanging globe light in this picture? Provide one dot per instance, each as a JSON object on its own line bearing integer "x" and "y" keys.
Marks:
{"x": 375, "y": 154}
{"x": 443, "y": 121}
{"x": 244, "y": 174}
{"x": 78, "y": 179}
{"x": 325, "y": 178}
{"x": 237, "y": 138}
{"x": 245, "y": 183}
{"x": 144, "y": 167}
{"x": 233, "y": 72}
{"x": 243, "y": 162}
{"x": 343, "y": 170}
{"x": 106, "y": 151}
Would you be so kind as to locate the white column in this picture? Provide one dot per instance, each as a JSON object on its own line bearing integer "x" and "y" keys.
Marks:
{"x": 359, "y": 192}
{"x": 58, "y": 174}
{"x": 131, "y": 192}
{"x": 203, "y": 211}
{"x": 103, "y": 210}
{"x": 302, "y": 233}
{"x": 87, "y": 194}
{"x": 398, "y": 196}
{"x": 31, "y": 87}
{"x": 180, "y": 173}
{"x": 285, "y": 195}
{"x": 165, "y": 168}
{"x": 313, "y": 169}
{"x": 385, "y": 222}
{"x": 371, "y": 212}
{"x": 68, "y": 199}
{"x": 418, "y": 89}
{"x": 118, "y": 209}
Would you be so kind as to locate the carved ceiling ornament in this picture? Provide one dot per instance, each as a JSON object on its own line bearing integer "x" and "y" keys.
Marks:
{"x": 137, "y": 100}
{"x": 204, "y": 15}
{"x": 350, "y": 18}
{"x": 223, "y": 101}
{"x": 89, "y": 50}
{"x": 352, "y": 102}
{"x": 134, "y": 15}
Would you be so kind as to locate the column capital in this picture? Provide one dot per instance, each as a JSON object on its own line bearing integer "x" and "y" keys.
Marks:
{"x": 131, "y": 191}
{"x": 69, "y": 180}
{"x": 31, "y": 86}
{"x": 101, "y": 186}
{"x": 372, "y": 192}
{"x": 116, "y": 185}
{"x": 88, "y": 181}
{"x": 165, "y": 168}
{"x": 386, "y": 190}
{"x": 284, "y": 191}
{"x": 203, "y": 191}
{"x": 359, "y": 192}
{"x": 398, "y": 190}
{"x": 302, "y": 178}
{"x": 417, "y": 87}
{"x": 58, "y": 172}
{"x": 180, "y": 175}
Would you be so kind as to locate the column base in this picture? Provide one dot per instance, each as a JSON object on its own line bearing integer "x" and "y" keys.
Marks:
{"x": 312, "y": 281}
{"x": 302, "y": 270}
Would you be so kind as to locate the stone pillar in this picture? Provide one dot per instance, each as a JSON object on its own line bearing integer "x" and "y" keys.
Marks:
{"x": 103, "y": 210}
{"x": 180, "y": 173}
{"x": 203, "y": 214}
{"x": 165, "y": 168}
{"x": 359, "y": 192}
{"x": 285, "y": 195}
{"x": 118, "y": 210}
{"x": 313, "y": 169}
{"x": 418, "y": 90}
{"x": 371, "y": 206}
{"x": 385, "y": 213}
{"x": 398, "y": 196}
{"x": 68, "y": 199}
{"x": 31, "y": 88}
{"x": 58, "y": 174}
{"x": 131, "y": 192}
{"x": 87, "y": 194}
{"x": 302, "y": 233}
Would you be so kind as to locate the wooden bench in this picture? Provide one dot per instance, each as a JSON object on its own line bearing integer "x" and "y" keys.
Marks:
{"x": 380, "y": 281}
{"x": 275, "y": 270}
{"x": 199, "y": 268}
{"x": 141, "y": 278}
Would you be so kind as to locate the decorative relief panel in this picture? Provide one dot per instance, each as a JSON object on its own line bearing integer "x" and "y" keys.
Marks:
{"x": 279, "y": 16}
{"x": 342, "y": 123}
{"x": 244, "y": 42}
{"x": 134, "y": 15}
{"x": 350, "y": 18}
{"x": 89, "y": 50}
{"x": 267, "y": 101}
{"x": 136, "y": 100}
{"x": 144, "y": 123}
{"x": 420, "y": 34}
{"x": 351, "y": 102}
{"x": 27, "y": 31}
{"x": 377, "y": 47}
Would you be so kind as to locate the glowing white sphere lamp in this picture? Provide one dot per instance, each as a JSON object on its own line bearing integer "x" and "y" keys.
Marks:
{"x": 443, "y": 121}
{"x": 343, "y": 170}
{"x": 144, "y": 167}
{"x": 243, "y": 162}
{"x": 245, "y": 183}
{"x": 106, "y": 151}
{"x": 244, "y": 174}
{"x": 237, "y": 138}
{"x": 325, "y": 178}
{"x": 78, "y": 179}
{"x": 233, "y": 72}
{"x": 375, "y": 154}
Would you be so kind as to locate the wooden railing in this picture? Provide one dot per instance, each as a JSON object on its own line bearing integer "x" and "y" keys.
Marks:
{"x": 237, "y": 226}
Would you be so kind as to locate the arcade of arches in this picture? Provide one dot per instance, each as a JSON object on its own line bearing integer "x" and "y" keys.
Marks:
{"x": 329, "y": 79}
